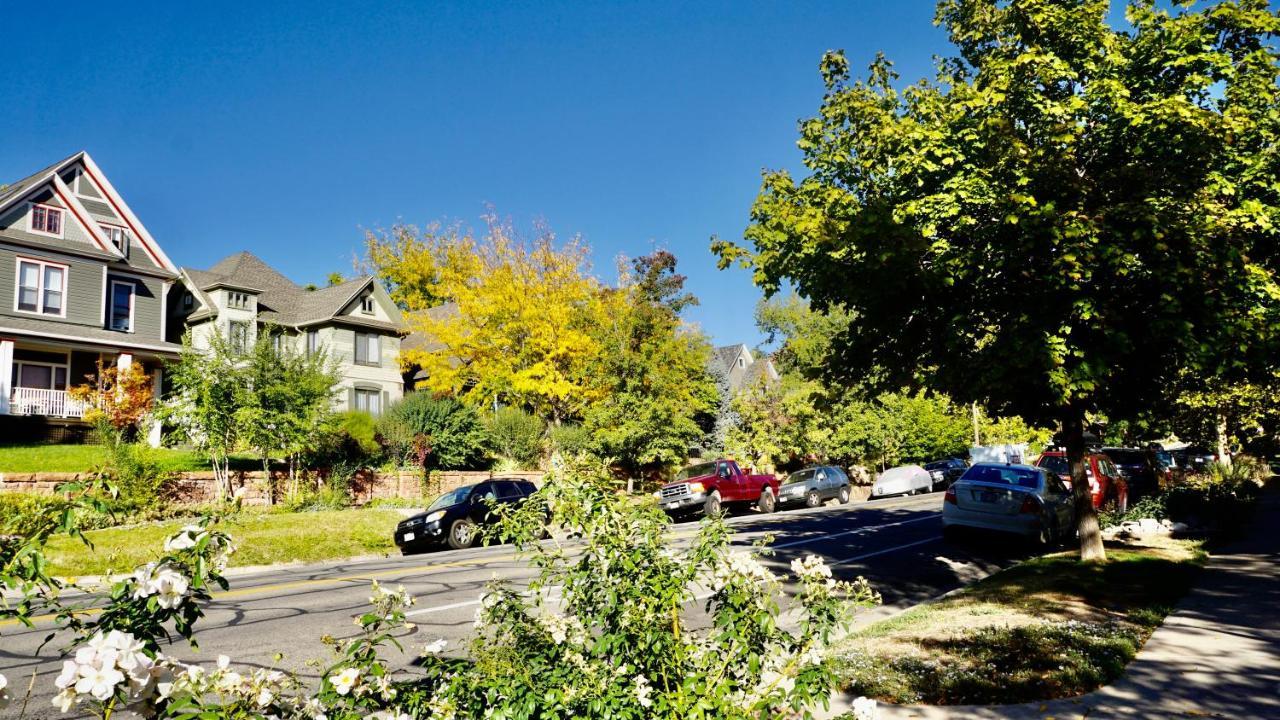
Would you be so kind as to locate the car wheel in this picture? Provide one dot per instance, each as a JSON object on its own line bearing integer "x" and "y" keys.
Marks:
{"x": 767, "y": 502}
{"x": 812, "y": 499}
{"x": 712, "y": 504}
{"x": 844, "y": 495}
{"x": 462, "y": 534}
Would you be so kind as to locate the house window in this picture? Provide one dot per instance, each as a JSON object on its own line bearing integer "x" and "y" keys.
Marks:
{"x": 41, "y": 287}
{"x": 118, "y": 236}
{"x": 369, "y": 401}
{"x": 46, "y": 219}
{"x": 277, "y": 343}
{"x": 313, "y": 342}
{"x": 187, "y": 300}
{"x": 366, "y": 305}
{"x": 121, "y": 306}
{"x": 239, "y": 336}
{"x": 41, "y": 376}
{"x": 238, "y": 300}
{"x": 368, "y": 349}
{"x": 742, "y": 362}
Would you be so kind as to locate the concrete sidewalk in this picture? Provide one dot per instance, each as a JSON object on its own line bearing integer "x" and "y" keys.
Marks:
{"x": 1217, "y": 655}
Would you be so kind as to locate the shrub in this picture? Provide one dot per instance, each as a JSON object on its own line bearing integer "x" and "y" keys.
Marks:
{"x": 454, "y": 435}
{"x": 569, "y": 439}
{"x": 136, "y": 473}
{"x": 360, "y": 428}
{"x": 28, "y": 514}
{"x": 516, "y": 435}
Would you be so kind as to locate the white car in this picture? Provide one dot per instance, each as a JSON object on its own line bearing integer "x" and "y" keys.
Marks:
{"x": 903, "y": 480}
{"x": 1010, "y": 498}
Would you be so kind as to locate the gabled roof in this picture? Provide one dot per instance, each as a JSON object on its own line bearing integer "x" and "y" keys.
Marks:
{"x": 21, "y": 189}
{"x": 280, "y": 300}
{"x": 727, "y": 354}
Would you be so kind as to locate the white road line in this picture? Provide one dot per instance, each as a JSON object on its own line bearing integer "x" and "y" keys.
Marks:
{"x": 442, "y": 608}
{"x": 857, "y": 531}
{"x": 885, "y": 551}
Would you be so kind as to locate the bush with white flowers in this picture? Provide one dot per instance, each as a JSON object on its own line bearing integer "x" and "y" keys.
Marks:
{"x": 620, "y": 625}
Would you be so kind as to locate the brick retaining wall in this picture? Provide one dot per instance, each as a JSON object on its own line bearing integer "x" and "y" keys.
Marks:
{"x": 198, "y": 487}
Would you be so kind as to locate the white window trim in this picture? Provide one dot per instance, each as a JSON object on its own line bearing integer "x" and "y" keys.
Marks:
{"x": 124, "y": 231}
{"x": 17, "y": 286}
{"x": 111, "y": 304}
{"x": 372, "y": 306}
{"x": 31, "y": 220}
{"x": 17, "y": 369}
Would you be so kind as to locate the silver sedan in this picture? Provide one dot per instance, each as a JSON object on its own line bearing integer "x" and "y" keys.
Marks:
{"x": 1010, "y": 498}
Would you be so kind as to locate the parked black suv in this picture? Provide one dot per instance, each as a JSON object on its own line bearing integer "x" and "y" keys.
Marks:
{"x": 946, "y": 472}
{"x": 456, "y": 516}
{"x": 1140, "y": 467}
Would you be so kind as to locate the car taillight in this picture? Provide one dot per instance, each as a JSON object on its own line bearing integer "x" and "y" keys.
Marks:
{"x": 951, "y": 496}
{"x": 1029, "y": 506}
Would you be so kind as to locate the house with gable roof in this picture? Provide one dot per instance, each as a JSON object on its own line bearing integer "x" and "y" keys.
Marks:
{"x": 741, "y": 368}
{"x": 355, "y": 323}
{"x": 88, "y": 283}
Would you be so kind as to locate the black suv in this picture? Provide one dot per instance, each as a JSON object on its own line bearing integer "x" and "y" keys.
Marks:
{"x": 945, "y": 472}
{"x": 455, "y": 516}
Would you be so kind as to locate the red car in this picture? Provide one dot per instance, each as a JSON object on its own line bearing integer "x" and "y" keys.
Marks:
{"x": 1106, "y": 484}
{"x": 707, "y": 486}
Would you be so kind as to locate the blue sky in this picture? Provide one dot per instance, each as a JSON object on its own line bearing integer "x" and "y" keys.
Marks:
{"x": 288, "y": 128}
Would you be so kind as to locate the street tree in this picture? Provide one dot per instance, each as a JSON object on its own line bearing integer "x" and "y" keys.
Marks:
{"x": 1065, "y": 218}
{"x": 650, "y": 374}
{"x": 202, "y": 407}
{"x": 519, "y": 333}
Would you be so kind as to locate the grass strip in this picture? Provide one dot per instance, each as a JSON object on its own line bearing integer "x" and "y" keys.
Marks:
{"x": 261, "y": 539}
{"x": 1046, "y": 628}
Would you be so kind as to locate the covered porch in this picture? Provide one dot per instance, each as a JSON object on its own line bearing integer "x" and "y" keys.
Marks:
{"x": 35, "y": 376}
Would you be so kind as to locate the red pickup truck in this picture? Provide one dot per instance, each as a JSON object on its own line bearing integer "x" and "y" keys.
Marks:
{"x": 708, "y": 486}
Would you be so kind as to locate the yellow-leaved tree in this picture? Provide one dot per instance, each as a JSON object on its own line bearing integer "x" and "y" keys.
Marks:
{"x": 516, "y": 314}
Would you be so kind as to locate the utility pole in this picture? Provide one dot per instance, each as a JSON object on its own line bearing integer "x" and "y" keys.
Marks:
{"x": 977, "y": 437}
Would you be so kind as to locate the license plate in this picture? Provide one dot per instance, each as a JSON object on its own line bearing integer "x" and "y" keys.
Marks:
{"x": 408, "y": 537}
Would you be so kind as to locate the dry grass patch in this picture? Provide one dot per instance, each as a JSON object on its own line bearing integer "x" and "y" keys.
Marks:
{"x": 1046, "y": 628}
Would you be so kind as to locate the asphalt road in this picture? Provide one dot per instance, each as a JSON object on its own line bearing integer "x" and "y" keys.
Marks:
{"x": 894, "y": 543}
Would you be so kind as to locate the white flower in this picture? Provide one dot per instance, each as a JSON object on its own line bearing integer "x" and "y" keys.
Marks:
{"x": 864, "y": 708}
{"x": 165, "y": 582}
{"x": 4, "y": 691}
{"x": 345, "y": 680}
{"x": 811, "y": 567}
{"x": 100, "y": 682}
{"x": 436, "y": 647}
{"x": 224, "y": 662}
{"x": 65, "y": 699}
{"x": 184, "y": 539}
{"x": 643, "y": 691}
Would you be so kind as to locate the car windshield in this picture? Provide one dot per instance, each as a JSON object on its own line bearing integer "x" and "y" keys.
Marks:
{"x": 1055, "y": 464}
{"x": 799, "y": 476}
{"x": 453, "y": 497}
{"x": 939, "y": 465}
{"x": 699, "y": 470}
{"x": 1003, "y": 475}
{"x": 1126, "y": 457}
{"x": 1165, "y": 458}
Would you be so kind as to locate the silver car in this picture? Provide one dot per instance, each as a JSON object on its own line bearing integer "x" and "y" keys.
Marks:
{"x": 1010, "y": 498}
{"x": 902, "y": 480}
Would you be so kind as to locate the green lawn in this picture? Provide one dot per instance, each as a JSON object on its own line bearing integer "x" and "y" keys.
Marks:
{"x": 1047, "y": 628}
{"x": 82, "y": 458}
{"x": 261, "y": 538}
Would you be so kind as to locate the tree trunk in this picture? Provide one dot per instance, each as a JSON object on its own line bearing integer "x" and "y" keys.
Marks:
{"x": 1091, "y": 548}
{"x": 1220, "y": 427}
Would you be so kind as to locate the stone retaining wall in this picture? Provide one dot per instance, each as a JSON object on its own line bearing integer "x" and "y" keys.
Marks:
{"x": 255, "y": 489}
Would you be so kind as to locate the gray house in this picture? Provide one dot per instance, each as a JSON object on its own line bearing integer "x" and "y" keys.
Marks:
{"x": 742, "y": 368}
{"x": 356, "y": 323}
{"x": 88, "y": 283}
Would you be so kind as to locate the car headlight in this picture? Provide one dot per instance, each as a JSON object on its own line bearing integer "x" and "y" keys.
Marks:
{"x": 696, "y": 487}
{"x": 436, "y": 516}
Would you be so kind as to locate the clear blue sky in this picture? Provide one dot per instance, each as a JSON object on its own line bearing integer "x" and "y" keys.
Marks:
{"x": 287, "y": 128}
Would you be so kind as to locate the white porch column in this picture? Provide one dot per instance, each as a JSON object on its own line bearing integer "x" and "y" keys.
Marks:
{"x": 124, "y": 360}
{"x": 6, "y": 374}
{"x": 153, "y": 433}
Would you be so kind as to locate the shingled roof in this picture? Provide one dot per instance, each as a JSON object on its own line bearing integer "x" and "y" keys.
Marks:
{"x": 280, "y": 300}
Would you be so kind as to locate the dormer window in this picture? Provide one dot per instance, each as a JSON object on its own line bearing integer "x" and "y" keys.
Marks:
{"x": 187, "y": 300}
{"x": 46, "y": 219}
{"x": 742, "y": 362}
{"x": 118, "y": 236}
{"x": 366, "y": 305}
{"x": 239, "y": 301}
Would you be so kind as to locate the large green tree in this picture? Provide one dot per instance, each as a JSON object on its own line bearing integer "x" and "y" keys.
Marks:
{"x": 1066, "y": 217}
{"x": 656, "y": 395}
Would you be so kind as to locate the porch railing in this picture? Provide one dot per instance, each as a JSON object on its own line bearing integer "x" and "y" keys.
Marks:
{"x": 38, "y": 401}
